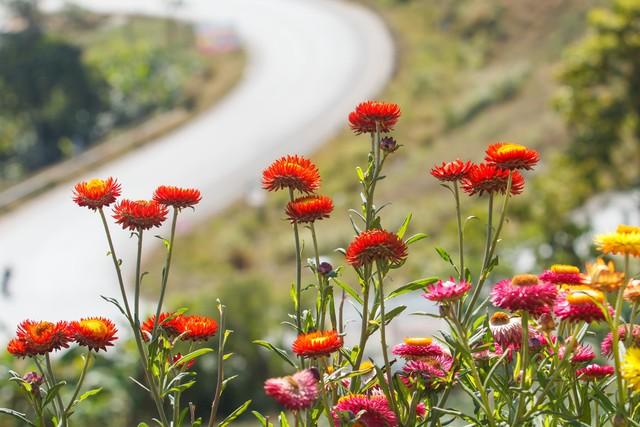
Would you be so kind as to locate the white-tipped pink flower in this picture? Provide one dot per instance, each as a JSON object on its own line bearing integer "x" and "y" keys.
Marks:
{"x": 295, "y": 392}
{"x": 448, "y": 291}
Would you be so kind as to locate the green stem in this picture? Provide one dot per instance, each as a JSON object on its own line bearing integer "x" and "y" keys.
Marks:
{"x": 621, "y": 392}
{"x": 363, "y": 328}
{"x": 632, "y": 318}
{"x": 49, "y": 384}
{"x": 83, "y": 373}
{"x": 456, "y": 193}
{"x": 220, "y": 377}
{"x": 383, "y": 343}
{"x": 524, "y": 363}
{"x": 136, "y": 301}
{"x": 165, "y": 273}
{"x": 63, "y": 415}
{"x": 321, "y": 283}
{"x": 296, "y": 236}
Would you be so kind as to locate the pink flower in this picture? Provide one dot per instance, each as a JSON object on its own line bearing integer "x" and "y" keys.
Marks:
{"x": 506, "y": 330}
{"x": 606, "y": 347}
{"x": 594, "y": 372}
{"x": 369, "y": 411}
{"x": 562, "y": 275}
{"x": 427, "y": 372}
{"x": 580, "y": 306}
{"x": 524, "y": 292}
{"x": 581, "y": 354}
{"x": 417, "y": 349}
{"x": 294, "y": 392}
{"x": 446, "y": 291}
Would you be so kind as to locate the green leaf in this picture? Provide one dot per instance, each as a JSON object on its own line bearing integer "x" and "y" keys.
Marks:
{"x": 278, "y": 351}
{"x": 261, "y": 418}
{"x": 283, "y": 420}
{"x": 411, "y": 286}
{"x": 235, "y": 414}
{"x": 186, "y": 358}
{"x": 415, "y": 238}
{"x": 360, "y": 173}
{"x": 52, "y": 392}
{"x": 348, "y": 289}
{"x": 88, "y": 394}
{"x": 444, "y": 255}
{"x": 403, "y": 228}
{"x": 22, "y": 417}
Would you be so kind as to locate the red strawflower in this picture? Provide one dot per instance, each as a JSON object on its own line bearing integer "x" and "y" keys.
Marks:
{"x": 484, "y": 178}
{"x": 293, "y": 172}
{"x": 580, "y": 306}
{"x": 139, "y": 214}
{"x": 373, "y": 411}
{"x": 309, "y": 209}
{"x": 196, "y": 328}
{"x": 594, "y": 372}
{"x": 562, "y": 275}
{"x": 451, "y": 171}
{"x": 43, "y": 337}
{"x": 606, "y": 347}
{"x": 176, "y": 196}
{"x": 367, "y": 114}
{"x": 96, "y": 193}
{"x": 511, "y": 156}
{"x": 419, "y": 348}
{"x": 94, "y": 332}
{"x": 376, "y": 245}
{"x": 524, "y": 292}
{"x": 314, "y": 344}
{"x": 295, "y": 392}
{"x": 18, "y": 348}
{"x": 448, "y": 291}
{"x": 168, "y": 322}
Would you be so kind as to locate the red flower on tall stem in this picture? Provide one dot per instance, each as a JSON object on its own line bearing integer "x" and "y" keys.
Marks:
{"x": 177, "y": 197}
{"x": 376, "y": 245}
{"x": 451, "y": 171}
{"x": 96, "y": 333}
{"x": 43, "y": 337}
{"x": 196, "y": 328}
{"x": 139, "y": 214}
{"x": 506, "y": 155}
{"x": 314, "y": 344}
{"x": 96, "y": 193}
{"x": 18, "y": 348}
{"x": 293, "y": 172}
{"x": 309, "y": 209}
{"x": 367, "y": 114}
{"x": 484, "y": 178}
{"x": 168, "y": 322}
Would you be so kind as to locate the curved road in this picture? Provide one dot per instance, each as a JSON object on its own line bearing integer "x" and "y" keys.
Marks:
{"x": 309, "y": 63}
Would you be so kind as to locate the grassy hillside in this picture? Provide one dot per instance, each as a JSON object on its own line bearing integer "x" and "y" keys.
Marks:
{"x": 469, "y": 72}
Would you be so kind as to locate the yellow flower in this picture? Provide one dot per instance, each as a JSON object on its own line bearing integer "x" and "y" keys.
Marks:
{"x": 625, "y": 241}
{"x": 603, "y": 276}
{"x": 631, "y": 368}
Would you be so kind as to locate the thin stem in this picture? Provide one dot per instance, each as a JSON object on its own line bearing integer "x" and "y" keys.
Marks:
{"x": 63, "y": 415}
{"x": 296, "y": 236}
{"x": 621, "y": 395}
{"x": 321, "y": 287}
{"x": 456, "y": 193}
{"x": 47, "y": 381}
{"x": 524, "y": 362}
{"x": 116, "y": 264}
{"x": 220, "y": 377}
{"x": 383, "y": 342}
{"x": 83, "y": 373}
{"x": 165, "y": 273}
{"x": 363, "y": 328}
{"x": 136, "y": 308}
{"x": 632, "y": 318}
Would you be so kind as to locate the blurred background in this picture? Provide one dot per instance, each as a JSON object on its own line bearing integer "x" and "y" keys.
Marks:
{"x": 182, "y": 92}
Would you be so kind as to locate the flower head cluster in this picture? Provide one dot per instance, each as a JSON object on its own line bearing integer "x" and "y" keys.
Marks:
{"x": 309, "y": 209}
{"x": 374, "y": 246}
{"x": 291, "y": 172}
{"x": 96, "y": 333}
{"x": 136, "y": 215}
{"x": 581, "y": 305}
{"x": 177, "y": 197}
{"x": 506, "y": 155}
{"x": 96, "y": 193}
{"x": 448, "y": 291}
{"x": 451, "y": 171}
{"x": 369, "y": 411}
{"x": 491, "y": 179}
{"x": 295, "y": 392}
{"x": 188, "y": 327}
{"x": 524, "y": 292}
{"x": 315, "y": 344}
{"x": 625, "y": 241}
{"x": 370, "y": 116}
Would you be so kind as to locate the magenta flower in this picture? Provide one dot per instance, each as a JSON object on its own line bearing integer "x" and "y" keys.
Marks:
{"x": 581, "y": 306}
{"x": 371, "y": 411}
{"x": 606, "y": 347}
{"x": 594, "y": 372}
{"x": 448, "y": 291}
{"x": 581, "y": 354}
{"x": 427, "y": 372}
{"x": 417, "y": 349}
{"x": 524, "y": 292}
{"x": 294, "y": 392}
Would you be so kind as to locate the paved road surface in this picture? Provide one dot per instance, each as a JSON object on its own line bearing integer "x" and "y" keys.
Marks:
{"x": 309, "y": 63}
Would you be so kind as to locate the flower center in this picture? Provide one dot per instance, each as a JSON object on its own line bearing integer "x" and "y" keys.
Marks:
{"x": 42, "y": 327}
{"x": 585, "y": 296}
{"x": 96, "y": 184}
{"x": 500, "y": 318}
{"x": 95, "y": 326}
{"x": 366, "y": 366}
{"x": 563, "y": 268}
{"x": 524, "y": 280}
{"x": 319, "y": 340}
{"x": 510, "y": 148}
{"x": 418, "y": 341}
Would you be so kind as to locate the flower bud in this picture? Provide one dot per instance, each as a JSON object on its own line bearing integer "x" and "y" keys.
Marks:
{"x": 388, "y": 144}
{"x": 325, "y": 268}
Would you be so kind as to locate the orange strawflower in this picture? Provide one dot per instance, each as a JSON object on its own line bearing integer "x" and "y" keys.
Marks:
{"x": 139, "y": 214}
{"x": 43, "y": 337}
{"x": 451, "y": 171}
{"x": 314, "y": 344}
{"x": 603, "y": 276}
{"x": 293, "y": 172}
{"x": 309, "y": 209}
{"x": 96, "y": 333}
{"x": 506, "y": 155}
{"x": 18, "y": 347}
{"x": 376, "y": 245}
{"x": 625, "y": 241}
{"x": 485, "y": 178}
{"x": 367, "y": 114}
{"x": 168, "y": 322}
{"x": 177, "y": 197}
{"x": 196, "y": 328}
{"x": 96, "y": 193}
